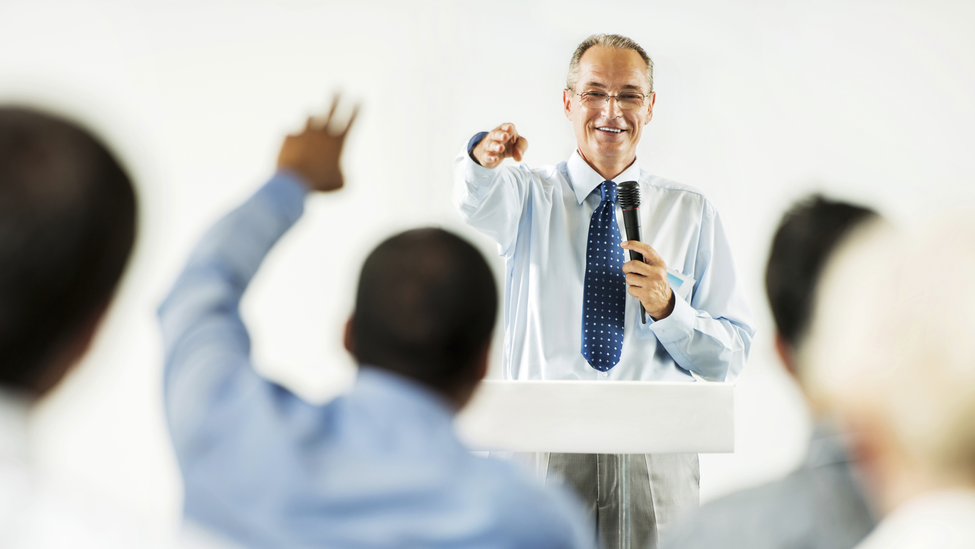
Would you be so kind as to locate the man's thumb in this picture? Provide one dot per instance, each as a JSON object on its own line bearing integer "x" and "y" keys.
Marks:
{"x": 519, "y": 148}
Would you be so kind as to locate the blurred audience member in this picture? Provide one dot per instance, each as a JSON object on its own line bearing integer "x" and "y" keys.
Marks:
{"x": 381, "y": 466}
{"x": 819, "y": 506}
{"x": 893, "y": 331}
{"x": 67, "y": 226}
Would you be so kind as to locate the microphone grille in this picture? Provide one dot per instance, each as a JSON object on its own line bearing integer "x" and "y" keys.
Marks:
{"x": 628, "y": 194}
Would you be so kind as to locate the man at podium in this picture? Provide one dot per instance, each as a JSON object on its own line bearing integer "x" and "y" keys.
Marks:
{"x": 567, "y": 312}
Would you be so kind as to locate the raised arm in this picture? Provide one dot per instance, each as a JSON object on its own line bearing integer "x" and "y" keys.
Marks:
{"x": 490, "y": 197}
{"x": 212, "y": 393}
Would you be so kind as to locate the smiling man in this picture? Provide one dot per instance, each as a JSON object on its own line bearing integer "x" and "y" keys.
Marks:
{"x": 567, "y": 312}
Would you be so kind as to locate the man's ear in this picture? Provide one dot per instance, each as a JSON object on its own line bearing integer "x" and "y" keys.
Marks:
{"x": 567, "y": 102}
{"x": 653, "y": 99}
{"x": 348, "y": 339}
{"x": 787, "y": 355}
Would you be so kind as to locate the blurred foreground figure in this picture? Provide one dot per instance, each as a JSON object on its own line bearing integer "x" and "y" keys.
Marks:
{"x": 899, "y": 370}
{"x": 381, "y": 466}
{"x": 819, "y": 506}
{"x": 67, "y": 226}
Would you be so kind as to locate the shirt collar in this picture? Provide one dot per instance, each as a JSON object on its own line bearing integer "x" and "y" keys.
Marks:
{"x": 829, "y": 445}
{"x": 402, "y": 392}
{"x": 584, "y": 179}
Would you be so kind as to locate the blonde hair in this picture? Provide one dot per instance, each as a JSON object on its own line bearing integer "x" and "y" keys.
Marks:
{"x": 892, "y": 338}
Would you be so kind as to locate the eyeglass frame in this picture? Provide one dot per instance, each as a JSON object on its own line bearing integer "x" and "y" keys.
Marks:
{"x": 608, "y": 96}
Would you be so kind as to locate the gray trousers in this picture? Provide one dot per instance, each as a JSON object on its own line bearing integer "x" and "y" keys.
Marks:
{"x": 662, "y": 487}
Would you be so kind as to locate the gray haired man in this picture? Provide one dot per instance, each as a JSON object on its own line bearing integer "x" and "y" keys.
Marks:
{"x": 567, "y": 313}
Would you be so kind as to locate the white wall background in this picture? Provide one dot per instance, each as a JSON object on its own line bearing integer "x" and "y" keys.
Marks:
{"x": 758, "y": 104}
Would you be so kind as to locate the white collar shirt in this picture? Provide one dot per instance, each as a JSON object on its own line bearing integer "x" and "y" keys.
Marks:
{"x": 40, "y": 510}
{"x": 540, "y": 221}
{"x": 942, "y": 518}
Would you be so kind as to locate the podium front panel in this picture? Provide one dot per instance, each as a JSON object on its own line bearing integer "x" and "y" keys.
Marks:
{"x": 593, "y": 417}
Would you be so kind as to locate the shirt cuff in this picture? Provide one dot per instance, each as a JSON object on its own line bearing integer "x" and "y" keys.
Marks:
{"x": 287, "y": 190}
{"x": 677, "y": 326}
{"x": 478, "y": 137}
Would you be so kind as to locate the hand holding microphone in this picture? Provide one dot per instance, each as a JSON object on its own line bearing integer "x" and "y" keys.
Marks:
{"x": 646, "y": 272}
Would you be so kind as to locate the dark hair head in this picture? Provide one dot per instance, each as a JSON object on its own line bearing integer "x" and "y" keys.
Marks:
{"x": 807, "y": 235}
{"x": 425, "y": 308}
{"x": 67, "y": 225}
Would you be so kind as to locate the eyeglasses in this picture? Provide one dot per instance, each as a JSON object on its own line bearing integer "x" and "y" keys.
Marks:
{"x": 627, "y": 101}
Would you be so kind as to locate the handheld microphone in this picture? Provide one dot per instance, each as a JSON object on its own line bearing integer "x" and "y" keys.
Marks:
{"x": 628, "y": 194}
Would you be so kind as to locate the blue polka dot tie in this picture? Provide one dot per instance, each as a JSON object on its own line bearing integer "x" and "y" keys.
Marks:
{"x": 604, "y": 292}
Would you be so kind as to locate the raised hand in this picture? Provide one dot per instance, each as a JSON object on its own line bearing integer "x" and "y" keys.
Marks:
{"x": 500, "y": 143}
{"x": 316, "y": 151}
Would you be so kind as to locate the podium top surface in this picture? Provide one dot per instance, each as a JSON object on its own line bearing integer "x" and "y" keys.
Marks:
{"x": 611, "y": 417}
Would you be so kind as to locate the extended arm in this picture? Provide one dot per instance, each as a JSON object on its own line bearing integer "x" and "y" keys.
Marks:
{"x": 212, "y": 393}
{"x": 490, "y": 197}
{"x": 209, "y": 380}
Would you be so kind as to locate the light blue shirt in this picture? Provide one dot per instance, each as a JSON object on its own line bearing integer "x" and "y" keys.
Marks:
{"x": 540, "y": 220}
{"x": 378, "y": 467}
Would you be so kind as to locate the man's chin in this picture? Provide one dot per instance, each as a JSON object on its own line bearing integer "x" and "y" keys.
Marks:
{"x": 611, "y": 151}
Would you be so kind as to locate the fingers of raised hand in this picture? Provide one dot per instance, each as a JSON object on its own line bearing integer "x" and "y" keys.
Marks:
{"x": 352, "y": 117}
{"x": 336, "y": 97}
{"x": 327, "y": 125}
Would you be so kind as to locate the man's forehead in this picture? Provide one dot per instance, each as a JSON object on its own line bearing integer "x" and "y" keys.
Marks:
{"x": 602, "y": 67}
{"x": 601, "y": 85}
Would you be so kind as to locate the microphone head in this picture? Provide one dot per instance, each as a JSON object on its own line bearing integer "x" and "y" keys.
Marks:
{"x": 628, "y": 194}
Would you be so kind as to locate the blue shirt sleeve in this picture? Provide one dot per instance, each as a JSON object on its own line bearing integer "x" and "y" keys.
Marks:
{"x": 211, "y": 390}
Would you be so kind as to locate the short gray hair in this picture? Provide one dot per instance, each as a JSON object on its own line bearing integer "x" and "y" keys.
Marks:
{"x": 615, "y": 41}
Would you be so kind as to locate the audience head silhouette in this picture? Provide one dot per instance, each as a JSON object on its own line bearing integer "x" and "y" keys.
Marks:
{"x": 425, "y": 309}
{"x": 806, "y": 238}
{"x": 67, "y": 226}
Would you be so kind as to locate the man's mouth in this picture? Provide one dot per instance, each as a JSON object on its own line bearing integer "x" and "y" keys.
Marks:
{"x": 610, "y": 130}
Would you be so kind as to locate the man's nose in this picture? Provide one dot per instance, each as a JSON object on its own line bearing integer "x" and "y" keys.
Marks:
{"x": 612, "y": 107}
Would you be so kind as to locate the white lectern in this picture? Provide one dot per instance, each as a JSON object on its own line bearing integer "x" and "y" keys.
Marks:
{"x": 608, "y": 417}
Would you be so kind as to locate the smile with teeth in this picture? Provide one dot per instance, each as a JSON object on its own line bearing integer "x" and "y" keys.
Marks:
{"x": 610, "y": 130}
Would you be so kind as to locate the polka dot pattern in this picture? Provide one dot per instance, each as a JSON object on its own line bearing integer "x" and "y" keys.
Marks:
{"x": 604, "y": 292}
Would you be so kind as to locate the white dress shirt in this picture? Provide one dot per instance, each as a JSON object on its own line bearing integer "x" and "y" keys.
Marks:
{"x": 540, "y": 220}
{"x": 944, "y": 519}
{"x": 41, "y": 511}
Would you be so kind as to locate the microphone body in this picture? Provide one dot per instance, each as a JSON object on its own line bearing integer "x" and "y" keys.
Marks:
{"x": 628, "y": 193}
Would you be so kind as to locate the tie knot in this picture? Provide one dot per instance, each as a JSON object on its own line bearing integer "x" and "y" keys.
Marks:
{"x": 608, "y": 191}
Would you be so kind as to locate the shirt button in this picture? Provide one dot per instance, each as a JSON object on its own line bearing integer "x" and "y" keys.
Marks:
{"x": 605, "y": 374}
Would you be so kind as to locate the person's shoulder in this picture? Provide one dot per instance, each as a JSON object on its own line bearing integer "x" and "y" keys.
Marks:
{"x": 670, "y": 194}
{"x": 664, "y": 184}
{"x": 788, "y": 509}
